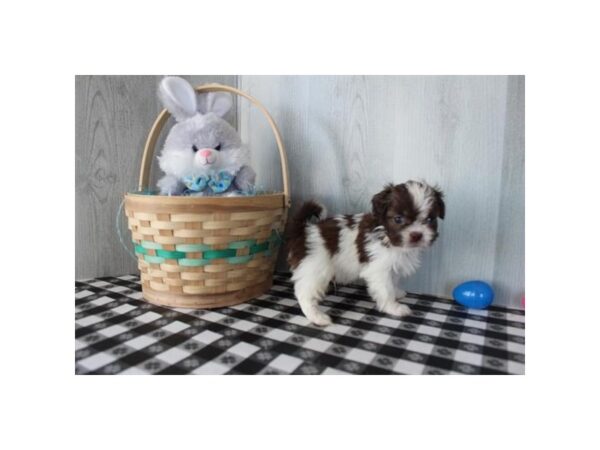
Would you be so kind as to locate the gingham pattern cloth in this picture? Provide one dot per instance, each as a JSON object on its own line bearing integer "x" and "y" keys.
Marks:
{"x": 116, "y": 332}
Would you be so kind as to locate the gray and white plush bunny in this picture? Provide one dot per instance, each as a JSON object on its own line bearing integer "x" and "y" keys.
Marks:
{"x": 203, "y": 154}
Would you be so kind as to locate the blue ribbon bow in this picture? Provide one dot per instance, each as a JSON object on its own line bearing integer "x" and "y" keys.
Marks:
{"x": 217, "y": 182}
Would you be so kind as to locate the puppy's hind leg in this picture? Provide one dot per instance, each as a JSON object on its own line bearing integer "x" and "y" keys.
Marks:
{"x": 310, "y": 284}
{"x": 308, "y": 295}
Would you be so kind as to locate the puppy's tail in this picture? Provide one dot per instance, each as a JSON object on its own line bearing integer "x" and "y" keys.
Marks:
{"x": 310, "y": 211}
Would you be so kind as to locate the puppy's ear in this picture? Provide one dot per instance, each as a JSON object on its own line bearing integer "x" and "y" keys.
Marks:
{"x": 381, "y": 202}
{"x": 439, "y": 207}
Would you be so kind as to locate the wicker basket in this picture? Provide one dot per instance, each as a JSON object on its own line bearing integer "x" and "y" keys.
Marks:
{"x": 206, "y": 252}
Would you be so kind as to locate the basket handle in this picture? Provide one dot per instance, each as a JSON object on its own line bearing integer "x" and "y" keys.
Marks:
{"x": 164, "y": 115}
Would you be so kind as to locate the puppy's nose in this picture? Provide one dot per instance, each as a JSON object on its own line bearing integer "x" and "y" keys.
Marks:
{"x": 415, "y": 236}
{"x": 205, "y": 153}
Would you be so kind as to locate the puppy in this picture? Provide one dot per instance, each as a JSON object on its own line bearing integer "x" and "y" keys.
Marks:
{"x": 378, "y": 247}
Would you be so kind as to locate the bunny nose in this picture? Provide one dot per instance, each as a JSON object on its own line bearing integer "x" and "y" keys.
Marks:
{"x": 205, "y": 153}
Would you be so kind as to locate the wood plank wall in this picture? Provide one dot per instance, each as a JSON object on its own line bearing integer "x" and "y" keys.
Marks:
{"x": 113, "y": 115}
{"x": 348, "y": 135}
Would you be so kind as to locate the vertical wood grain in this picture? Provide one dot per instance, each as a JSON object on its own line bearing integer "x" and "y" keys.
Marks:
{"x": 452, "y": 132}
{"x": 113, "y": 115}
{"x": 330, "y": 137}
{"x": 347, "y": 136}
{"x": 509, "y": 268}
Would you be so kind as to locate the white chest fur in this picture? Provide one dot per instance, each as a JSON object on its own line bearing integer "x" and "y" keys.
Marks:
{"x": 396, "y": 261}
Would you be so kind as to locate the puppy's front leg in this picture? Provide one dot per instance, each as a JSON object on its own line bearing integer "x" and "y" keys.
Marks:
{"x": 381, "y": 288}
{"x": 398, "y": 292}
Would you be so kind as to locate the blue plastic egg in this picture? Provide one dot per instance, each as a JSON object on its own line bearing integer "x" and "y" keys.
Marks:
{"x": 474, "y": 294}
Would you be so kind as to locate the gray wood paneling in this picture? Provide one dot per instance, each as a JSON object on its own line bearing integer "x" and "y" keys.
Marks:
{"x": 113, "y": 115}
{"x": 347, "y": 136}
{"x": 509, "y": 269}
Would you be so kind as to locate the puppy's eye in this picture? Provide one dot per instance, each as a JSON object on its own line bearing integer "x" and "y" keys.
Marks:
{"x": 218, "y": 148}
{"x": 194, "y": 148}
{"x": 399, "y": 219}
{"x": 429, "y": 220}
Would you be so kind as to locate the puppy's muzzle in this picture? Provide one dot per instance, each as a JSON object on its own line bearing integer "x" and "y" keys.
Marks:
{"x": 415, "y": 237}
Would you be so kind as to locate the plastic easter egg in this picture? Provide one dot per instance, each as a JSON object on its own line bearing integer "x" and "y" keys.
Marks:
{"x": 474, "y": 294}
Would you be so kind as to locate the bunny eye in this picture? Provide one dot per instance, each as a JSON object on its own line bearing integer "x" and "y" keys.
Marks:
{"x": 218, "y": 147}
{"x": 194, "y": 148}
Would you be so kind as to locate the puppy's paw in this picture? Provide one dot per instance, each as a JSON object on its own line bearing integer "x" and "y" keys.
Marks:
{"x": 397, "y": 310}
{"x": 318, "y": 317}
{"x": 400, "y": 294}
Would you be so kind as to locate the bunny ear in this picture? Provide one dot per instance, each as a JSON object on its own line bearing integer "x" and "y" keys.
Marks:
{"x": 178, "y": 96}
{"x": 215, "y": 102}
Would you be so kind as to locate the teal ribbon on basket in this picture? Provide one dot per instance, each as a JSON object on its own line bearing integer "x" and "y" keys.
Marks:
{"x": 208, "y": 254}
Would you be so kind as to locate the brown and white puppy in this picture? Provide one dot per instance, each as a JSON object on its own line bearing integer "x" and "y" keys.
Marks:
{"x": 379, "y": 247}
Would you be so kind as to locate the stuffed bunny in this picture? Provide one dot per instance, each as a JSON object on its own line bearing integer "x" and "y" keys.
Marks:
{"x": 203, "y": 154}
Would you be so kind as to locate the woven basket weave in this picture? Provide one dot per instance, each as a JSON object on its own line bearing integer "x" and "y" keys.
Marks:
{"x": 206, "y": 252}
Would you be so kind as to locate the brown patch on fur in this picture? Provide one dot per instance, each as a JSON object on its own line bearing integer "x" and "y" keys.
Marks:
{"x": 365, "y": 226}
{"x": 438, "y": 210}
{"x": 349, "y": 220}
{"x": 330, "y": 231}
{"x": 439, "y": 207}
{"x": 296, "y": 235}
{"x": 391, "y": 202}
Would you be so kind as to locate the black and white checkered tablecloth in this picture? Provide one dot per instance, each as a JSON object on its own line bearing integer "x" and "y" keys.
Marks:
{"x": 116, "y": 332}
